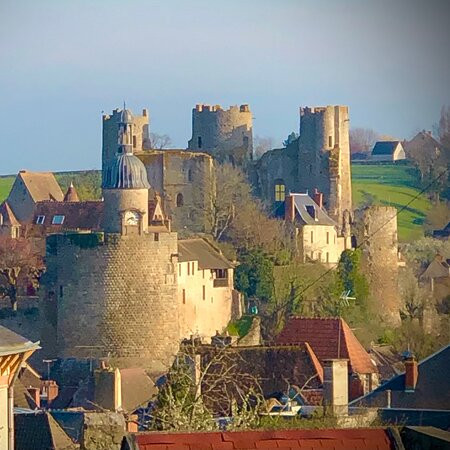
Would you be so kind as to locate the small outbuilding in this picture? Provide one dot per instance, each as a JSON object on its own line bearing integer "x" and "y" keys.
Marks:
{"x": 389, "y": 151}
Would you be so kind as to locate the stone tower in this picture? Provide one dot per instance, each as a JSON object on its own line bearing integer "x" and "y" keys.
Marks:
{"x": 324, "y": 157}
{"x": 113, "y": 294}
{"x": 377, "y": 237}
{"x": 139, "y": 128}
{"x": 224, "y": 134}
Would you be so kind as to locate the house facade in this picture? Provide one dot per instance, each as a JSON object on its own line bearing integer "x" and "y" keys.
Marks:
{"x": 388, "y": 151}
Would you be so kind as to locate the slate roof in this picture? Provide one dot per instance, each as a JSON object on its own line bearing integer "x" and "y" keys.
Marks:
{"x": 12, "y": 343}
{"x": 338, "y": 439}
{"x": 327, "y": 342}
{"x": 304, "y": 204}
{"x": 432, "y": 389}
{"x": 77, "y": 215}
{"x": 41, "y": 185}
{"x": 201, "y": 250}
{"x": 385, "y": 147}
{"x": 8, "y": 216}
{"x": 40, "y": 431}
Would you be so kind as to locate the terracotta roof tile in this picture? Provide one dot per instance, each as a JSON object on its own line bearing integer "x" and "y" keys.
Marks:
{"x": 41, "y": 185}
{"x": 328, "y": 338}
{"x": 340, "y": 439}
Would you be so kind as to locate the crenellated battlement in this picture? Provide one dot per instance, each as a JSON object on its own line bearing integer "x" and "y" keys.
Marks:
{"x": 205, "y": 108}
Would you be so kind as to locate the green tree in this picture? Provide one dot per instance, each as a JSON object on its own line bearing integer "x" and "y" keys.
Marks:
{"x": 254, "y": 275}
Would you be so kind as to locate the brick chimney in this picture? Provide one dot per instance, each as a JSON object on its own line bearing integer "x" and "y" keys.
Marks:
{"x": 50, "y": 389}
{"x": 35, "y": 394}
{"x": 411, "y": 374}
{"x": 318, "y": 198}
{"x": 289, "y": 208}
{"x": 335, "y": 386}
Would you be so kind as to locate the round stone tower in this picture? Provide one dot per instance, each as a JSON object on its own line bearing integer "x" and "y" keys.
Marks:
{"x": 377, "y": 235}
{"x": 225, "y": 134}
{"x": 113, "y": 294}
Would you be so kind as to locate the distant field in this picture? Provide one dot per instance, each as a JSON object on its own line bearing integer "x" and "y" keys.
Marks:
{"x": 5, "y": 187}
{"x": 393, "y": 185}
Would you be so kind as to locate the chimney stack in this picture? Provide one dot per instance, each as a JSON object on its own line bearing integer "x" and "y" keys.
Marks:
{"x": 35, "y": 394}
{"x": 318, "y": 198}
{"x": 289, "y": 208}
{"x": 108, "y": 388}
{"x": 411, "y": 373}
{"x": 335, "y": 386}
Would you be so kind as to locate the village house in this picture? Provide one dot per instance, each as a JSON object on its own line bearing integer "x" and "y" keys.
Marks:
{"x": 332, "y": 338}
{"x": 316, "y": 234}
{"x": 388, "y": 151}
{"x": 205, "y": 289}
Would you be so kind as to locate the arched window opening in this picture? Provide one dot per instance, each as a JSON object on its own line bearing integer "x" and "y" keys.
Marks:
{"x": 180, "y": 200}
{"x": 280, "y": 190}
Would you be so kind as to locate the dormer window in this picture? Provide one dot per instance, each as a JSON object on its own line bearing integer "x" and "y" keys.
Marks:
{"x": 40, "y": 220}
{"x": 311, "y": 209}
{"x": 58, "y": 220}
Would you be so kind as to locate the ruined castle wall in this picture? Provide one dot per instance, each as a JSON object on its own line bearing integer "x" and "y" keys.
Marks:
{"x": 324, "y": 156}
{"x": 377, "y": 235}
{"x": 220, "y": 132}
{"x": 275, "y": 166}
{"x": 140, "y": 132}
{"x": 114, "y": 299}
{"x": 189, "y": 174}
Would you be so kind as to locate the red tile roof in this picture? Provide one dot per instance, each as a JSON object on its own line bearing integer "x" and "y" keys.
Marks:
{"x": 339, "y": 439}
{"x": 328, "y": 338}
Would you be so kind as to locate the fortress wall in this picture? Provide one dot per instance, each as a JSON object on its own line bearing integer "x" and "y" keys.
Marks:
{"x": 378, "y": 238}
{"x": 122, "y": 293}
{"x": 216, "y": 131}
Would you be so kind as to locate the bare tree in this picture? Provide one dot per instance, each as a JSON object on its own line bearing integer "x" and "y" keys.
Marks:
{"x": 261, "y": 145}
{"x": 160, "y": 141}
{"x": 20, "y": 264}
{"x": 362, "y": 140}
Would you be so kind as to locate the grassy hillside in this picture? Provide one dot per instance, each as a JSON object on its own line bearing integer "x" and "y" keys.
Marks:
{"x": 393, "y": 185}
{"x": 5, "y": 187}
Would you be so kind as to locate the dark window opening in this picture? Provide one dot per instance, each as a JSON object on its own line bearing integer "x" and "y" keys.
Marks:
{"x": 199, "y": 140}
{"x": 180, "y": 200}
{"x": 134, "y": 141}
{"x": 204, "y": 292}
{"x": 156, "y": 236}
{"x": 189, "y": 175}
{"x": 330, "y": 141}
{"x": 246, "y": 142}
{"x": 184, "y": 296}
{"x": 61, "y": 291}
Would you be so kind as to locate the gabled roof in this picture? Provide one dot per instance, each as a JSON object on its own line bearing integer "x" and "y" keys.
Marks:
{"x": 329, "y": 338}
{"x": 8, "y": 216}
{"x": 425, "y": 136}
{"x": 432, "y": 389}
{"x": 438, "y": 268}
{"x": 385, "y": 147}
{"x": 12, "y": 343}
{"x": 77, "y": 215}
{"x": 41, "y": 185}
{"x": 305, "y": 205}
{"x": 201, "y": 250}
{"x": 137, "y": 388}
{"x": 338, "y": 439}
{"x": 40, "y": 431}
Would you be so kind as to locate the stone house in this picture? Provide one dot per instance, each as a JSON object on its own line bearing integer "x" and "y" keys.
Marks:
{"x": 332, "y": 338}
{"x": 206, "y": 295}
{"x": 316, "y": 234}
{"x": 422, "y": 145}
{"x": 437, "y": 276}
{"x": 388, "y": 151}
{"x": 9, "y": 225}
{"x": 30, "y": 188}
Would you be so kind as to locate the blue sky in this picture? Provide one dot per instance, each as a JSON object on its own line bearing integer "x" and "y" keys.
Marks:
{"x": 64, "y": 62}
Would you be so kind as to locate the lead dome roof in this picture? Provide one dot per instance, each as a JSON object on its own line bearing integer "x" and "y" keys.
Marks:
{"x": 126, "y": 171}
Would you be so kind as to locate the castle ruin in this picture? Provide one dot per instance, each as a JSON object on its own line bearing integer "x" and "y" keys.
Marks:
{"x": 226, "y": 134}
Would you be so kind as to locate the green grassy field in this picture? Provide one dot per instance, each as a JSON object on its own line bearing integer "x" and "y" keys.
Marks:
{"x": 393, "y": 185}
{"x": 5, "y": 187}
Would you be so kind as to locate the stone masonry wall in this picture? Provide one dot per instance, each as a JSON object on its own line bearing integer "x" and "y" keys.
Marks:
{"x": 115, "y": 299}
{"x": 377, "y": 235}
{"x": 220, "y": 132}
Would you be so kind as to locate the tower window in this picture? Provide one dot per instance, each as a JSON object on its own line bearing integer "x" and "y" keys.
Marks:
{"x": 184, "y": 296}
{"x": 330, "y": 141}
{"x": 199, "y": 142}
{"x": 189, "y": 175}
{"x": 328, "y": 238}
{"x": 280, "y": 191}
{"x": 204, "y": 292}
{"x": 312, "y": 237}
{"x": 246, "y": 142}
{"x": 134, "y": 141}
{"x": 180, "y": 200}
